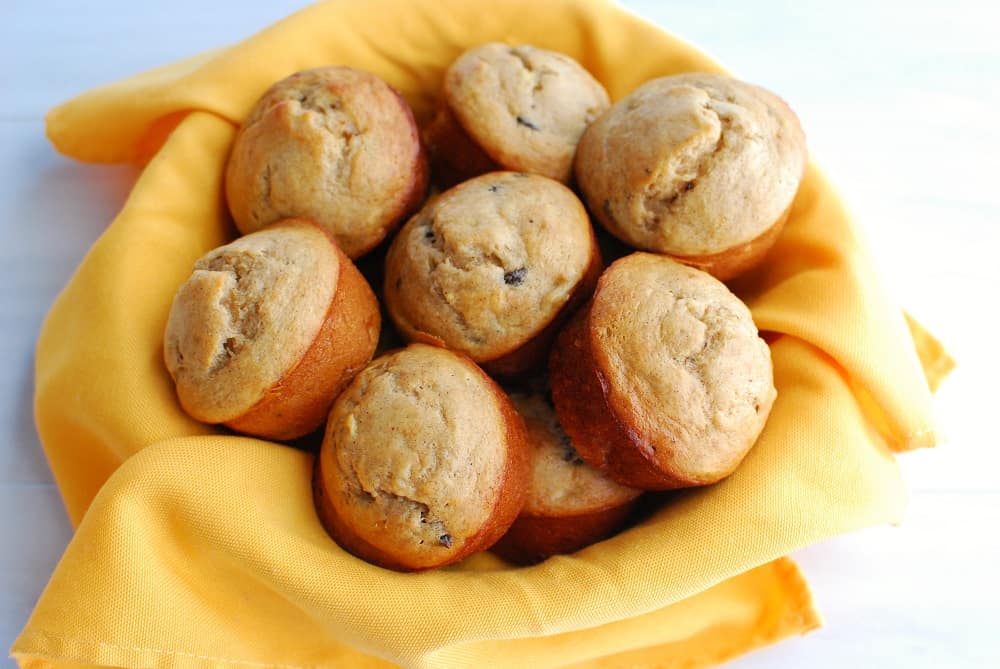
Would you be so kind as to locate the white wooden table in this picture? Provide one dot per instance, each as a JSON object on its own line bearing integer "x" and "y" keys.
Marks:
{"x": 900, "y": 102}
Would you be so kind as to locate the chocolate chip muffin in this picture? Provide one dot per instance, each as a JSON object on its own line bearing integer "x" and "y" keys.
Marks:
{"x": 701, "y": 167}
{"x": 570, "y": 504}
{"x": 423, "y": 463}
{"x": 491, "y": 267}
{"x": 662, "y": 380}
{"x": 517, "y": 108}
{"x": 333, "y": 144}
{"x": 268, "y": 330}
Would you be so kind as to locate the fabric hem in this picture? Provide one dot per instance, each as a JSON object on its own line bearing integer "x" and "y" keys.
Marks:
{"x": 84, "y": 651}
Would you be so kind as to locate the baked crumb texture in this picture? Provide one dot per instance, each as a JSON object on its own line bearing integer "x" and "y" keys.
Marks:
{"x": 424, "y": 461}
{"x": 570, "y": 504}
{"x": 694, "y": 166}
{"x": 662, "y": 381}
{"x": 517, "y": 108}
{"x": 333, "y": 144}
{"x": 562, "y": 483}
{"x": 492, "y": 265}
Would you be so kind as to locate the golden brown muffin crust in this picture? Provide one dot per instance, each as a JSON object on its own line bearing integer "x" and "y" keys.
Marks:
{"x": 246, "y": 316}
{"x": 488, "y": 265}
{"x": 333, "y": 144}
{"x": 692, "y": 164}
{"x": 684, "y": 365}
{"x": 417, "y": 455}
{"x": 526, "y": 107}
{"x": 299, "y": 403}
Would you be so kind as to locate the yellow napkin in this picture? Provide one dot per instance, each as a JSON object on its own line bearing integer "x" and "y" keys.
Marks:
{"x": 196, "y": 549}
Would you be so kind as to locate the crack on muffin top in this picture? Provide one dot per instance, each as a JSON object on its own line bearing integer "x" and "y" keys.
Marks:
{"x": 526, "y": 123}
{"x": 664, "y": 193}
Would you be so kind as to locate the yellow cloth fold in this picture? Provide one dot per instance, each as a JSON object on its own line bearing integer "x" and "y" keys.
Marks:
{"x": 198, "y": 549}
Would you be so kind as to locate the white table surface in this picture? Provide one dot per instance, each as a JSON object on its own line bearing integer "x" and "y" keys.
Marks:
{"x": 900, "y": 102}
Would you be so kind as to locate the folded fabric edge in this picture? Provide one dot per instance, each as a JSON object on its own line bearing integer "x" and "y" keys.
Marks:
{"x": 799, "y": 618}
{"x": 935, "y": 360}
{"x": 124, "y": 142}
{"x": 751, "y": 610}
{"x": 772, "y": 556}
{"x": 787, "y": 609}
{"x": 146, "y": 144}
{"x": 936, "y": 364}
{"x": 62, "y": 652}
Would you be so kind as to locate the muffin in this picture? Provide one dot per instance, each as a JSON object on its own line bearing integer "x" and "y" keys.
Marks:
{"x": 700, "y": 167}
{"x": 424, "y": 461}
{"x": 662, "y": 380}
{"x": 517, "y": 108}
{"x": 491, "y": 267}
{"x": 268, "y": 330}
{"x": 333, "y": 144}
{"x": 570, "y": 504}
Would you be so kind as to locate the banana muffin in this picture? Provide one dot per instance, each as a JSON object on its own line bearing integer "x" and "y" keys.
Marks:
{"x": 424, "y": 461}
{"x": 662, "y": 380}
{"x": 333, "y": 144}
{"x": 700, "y": 167}
{"x": 491, "y": 268}
{"x": 517, "y": 108}
{"x": 570, "y": 504}
{"x": 268, "y": 330}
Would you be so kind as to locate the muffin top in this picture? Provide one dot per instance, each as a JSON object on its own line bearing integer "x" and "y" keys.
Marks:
{"x": 415, "y": 453}
{"x": 692, "y": 164}
{"x": 488, "y": 264}
{"x": 525, "y": 107}
{"x": 247, "y": 315}
{"x": 333, "y": 144}
{"x": 683, "y": 363}
{"x": 562, "y": 484}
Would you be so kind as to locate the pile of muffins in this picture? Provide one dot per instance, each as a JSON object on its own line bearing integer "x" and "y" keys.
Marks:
{"x": 525, "y": 395}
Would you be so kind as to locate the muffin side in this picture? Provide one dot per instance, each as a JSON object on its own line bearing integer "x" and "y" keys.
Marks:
{"x": 423, "y": 462}
{"x": 247, "y": 315}
{"x": 570, "y": 504}
{"x": 663, "y": 381}
{"x": 268, "y": 329}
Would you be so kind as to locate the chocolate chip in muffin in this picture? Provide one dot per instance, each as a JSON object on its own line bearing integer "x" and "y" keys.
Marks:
{"x": 569, "y": 453}
{"x": 515, "y": 277}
